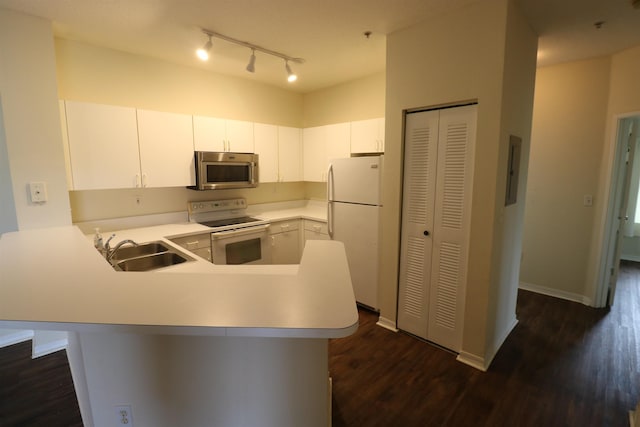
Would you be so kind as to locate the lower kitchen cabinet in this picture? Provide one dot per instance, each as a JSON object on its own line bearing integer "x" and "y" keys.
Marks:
{"x": 285, "y": 242}
{"x": 199, "y": 244}
{"x": 315, "y": 230}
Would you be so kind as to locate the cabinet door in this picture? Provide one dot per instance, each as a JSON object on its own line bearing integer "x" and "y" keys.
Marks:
{"x": 239, "y": 136}
{"x": 289, "y": 154}
{"x": 285, "y": 247}
{"x": 166, "y": 149}
{"x": 315, "y": 230}
{"x": 365, "y": 136}
{"x": 103, "y": 146}
{"x": 314, "y": 153}
{"x": 266, "y": 146}
{"x": 337, "y": 137}
{"x": 209, "y": 134}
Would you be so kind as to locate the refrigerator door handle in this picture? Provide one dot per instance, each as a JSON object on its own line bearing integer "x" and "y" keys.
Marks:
{"x": 330, "y": 201}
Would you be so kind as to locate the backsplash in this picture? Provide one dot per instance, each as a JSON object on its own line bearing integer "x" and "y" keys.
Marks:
{"x": 92, "y": 205}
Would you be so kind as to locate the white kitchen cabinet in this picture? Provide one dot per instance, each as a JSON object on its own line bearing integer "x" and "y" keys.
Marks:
{"x": 313, "y": 140}
{"x": 280, "y": 151}
{"x": 103, "y": 146}
{"x": 315, "y": 230}
{"x": 166, "y": 149}
{"x": 266, "y": 146}
{"x": 199, "y": 244}
{"x": 289, "y": 154}
{"x": 367, "y": 136}
{"x": 285, "y": 242}
{"x": 321, "y": 144}
{"x": 215, "y": 134}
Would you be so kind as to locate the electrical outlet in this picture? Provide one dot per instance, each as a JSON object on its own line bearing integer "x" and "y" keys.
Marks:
{"x": 38, "y": 191}
{"x": 587, "y": 200}
{"x": 124, "y": 416}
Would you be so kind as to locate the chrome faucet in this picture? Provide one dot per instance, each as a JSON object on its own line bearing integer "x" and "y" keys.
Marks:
{"x": 109, "y": 253}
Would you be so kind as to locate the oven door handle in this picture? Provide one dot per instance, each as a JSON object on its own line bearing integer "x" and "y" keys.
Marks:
{"x": 239, "y": 231}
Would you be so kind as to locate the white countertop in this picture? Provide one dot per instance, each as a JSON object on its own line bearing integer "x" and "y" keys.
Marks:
{"x": 54, "y": 279}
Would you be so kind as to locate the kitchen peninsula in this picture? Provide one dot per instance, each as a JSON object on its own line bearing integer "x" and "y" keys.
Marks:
{"x": 198, "y": 344}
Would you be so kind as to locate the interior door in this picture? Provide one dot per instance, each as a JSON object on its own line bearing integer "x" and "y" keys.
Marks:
{"x": 420, "y": 159}
{"x": 435, "y": 223}
{"x": 622, "y": 216}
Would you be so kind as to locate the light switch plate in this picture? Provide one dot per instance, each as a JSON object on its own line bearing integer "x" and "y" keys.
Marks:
{"x": 38, "y": 191}
{"x": 587, "y": 200}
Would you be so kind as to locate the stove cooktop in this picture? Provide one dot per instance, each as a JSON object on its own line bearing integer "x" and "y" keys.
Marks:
{"x": 228, "y": 221}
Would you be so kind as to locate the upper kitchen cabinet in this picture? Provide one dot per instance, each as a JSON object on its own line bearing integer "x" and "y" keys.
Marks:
{"x": 322, "y": 143}
{"x": 280, "y": 151}
{"x": 214, "y": 134}
{"x": 367, "y": 136}
{"x": 266, "y": 146}
{"x": 289, "y": 154}
{"x": 103, "y": 146}
{"x": 166, "y": 149}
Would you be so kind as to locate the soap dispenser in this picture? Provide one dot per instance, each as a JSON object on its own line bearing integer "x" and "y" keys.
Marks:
{"x": 97, "y": 240}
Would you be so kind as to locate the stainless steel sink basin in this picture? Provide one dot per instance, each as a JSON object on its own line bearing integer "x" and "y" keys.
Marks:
{"x": 142, "y": 249}
{"x": 150, "y": 262}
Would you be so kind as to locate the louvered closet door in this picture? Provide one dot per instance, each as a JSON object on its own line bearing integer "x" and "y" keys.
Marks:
{"x": 451, "y": 226}
{"x": 436, "y": 200}
{"x": 420, "y": 158}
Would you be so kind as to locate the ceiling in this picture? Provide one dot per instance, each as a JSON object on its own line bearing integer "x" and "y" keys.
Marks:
{"x": 328, "y": 34}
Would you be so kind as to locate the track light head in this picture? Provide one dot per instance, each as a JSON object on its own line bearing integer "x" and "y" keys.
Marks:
{"x": 291, "y": 76}
{"x": 251, "y": 67}
{"x": 203, "y": 53}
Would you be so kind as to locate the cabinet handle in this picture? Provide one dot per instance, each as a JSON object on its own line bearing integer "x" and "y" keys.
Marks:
{"x": 273, "y": 241}
{"x": 425, "y": 232}
{"x": 144, "y": 180}
{"x": 192, "y": 245}
{"x": 138, "y": 183}
{"x": 317, "y": 228}
{"x": 284, "y": 226}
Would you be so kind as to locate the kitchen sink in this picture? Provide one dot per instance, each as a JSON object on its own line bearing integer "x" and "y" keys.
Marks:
{"x": 150, "y": 262}
{"x": 141, "y": 250}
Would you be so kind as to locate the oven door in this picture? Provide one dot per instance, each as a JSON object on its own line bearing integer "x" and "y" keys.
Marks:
{"x": 247, "y": 245}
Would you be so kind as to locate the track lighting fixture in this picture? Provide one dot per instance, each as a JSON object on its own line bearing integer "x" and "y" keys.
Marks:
{"x": 291, "y": 76}
{"x": 251, "y": 66}
{"x": 203, "y": 53}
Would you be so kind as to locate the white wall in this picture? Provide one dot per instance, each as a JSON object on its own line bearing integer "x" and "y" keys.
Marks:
{"x": 567, "y": 147}
{"x": 457, "y": 57}
{"x": 32, "y": 136}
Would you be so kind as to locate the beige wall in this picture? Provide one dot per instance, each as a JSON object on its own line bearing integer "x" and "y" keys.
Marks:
{"x": 32, "y": 136}
{"x": 569, "y": 120}
{"x": 458, "y": 57}
{"x": 356, "y": 100}
{"x": 94, "y": 74}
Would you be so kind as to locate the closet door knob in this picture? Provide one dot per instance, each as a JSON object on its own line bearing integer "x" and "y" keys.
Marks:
{"x": 426, "y": 233}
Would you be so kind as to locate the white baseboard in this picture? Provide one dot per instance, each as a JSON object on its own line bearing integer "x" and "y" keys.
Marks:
{"x": 387, "y": 324}
{"x": 47, "y": 342}
{"x": 473, "y": 360}
{"x": 9, "y": 337}
{"x": 570, "y": 296}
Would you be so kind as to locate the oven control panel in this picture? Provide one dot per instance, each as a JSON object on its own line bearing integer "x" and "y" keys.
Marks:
{"x": 216, "y": 205}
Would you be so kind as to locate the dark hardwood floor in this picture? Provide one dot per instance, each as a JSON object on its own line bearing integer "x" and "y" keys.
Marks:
{"x": 36, "y": 392}
{"x": 564, "y": 364}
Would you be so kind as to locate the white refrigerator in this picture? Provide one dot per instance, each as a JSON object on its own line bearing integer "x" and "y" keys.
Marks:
{"x": 354, "y": 202}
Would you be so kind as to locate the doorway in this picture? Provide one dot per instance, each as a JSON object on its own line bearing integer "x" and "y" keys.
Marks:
{"x": 620, "y": 223}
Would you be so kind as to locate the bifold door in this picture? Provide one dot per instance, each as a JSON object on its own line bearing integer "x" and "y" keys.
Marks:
{"x": 435, "y": 223}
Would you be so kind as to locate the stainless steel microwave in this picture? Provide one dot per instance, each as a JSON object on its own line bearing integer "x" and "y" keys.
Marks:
{"x": 222, "y": 170}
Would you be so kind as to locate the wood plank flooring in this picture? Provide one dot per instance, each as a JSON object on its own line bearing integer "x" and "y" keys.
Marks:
{"x": 36, "y": 392}
{"x": 565, "y": 364}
